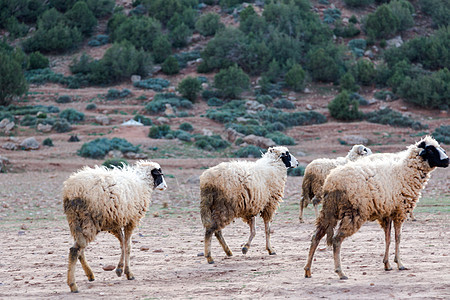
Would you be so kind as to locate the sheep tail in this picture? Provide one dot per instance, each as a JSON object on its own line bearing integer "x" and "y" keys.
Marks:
{"x": 329, "y": 215}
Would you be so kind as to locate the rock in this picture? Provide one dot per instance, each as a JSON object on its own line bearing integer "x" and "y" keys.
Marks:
{"x": 207, "y": 132}
{"x": 254, "y": 105}
{"x": 292, "y": 98}
{"x": 30, "y": 144}
{"x": 241, "y": 120}
{"x": 205, "y": 86}
{"x": 259, "y": 141}
{"x": 369, "y": 54}
{"x": 9, "y": 146}
{"x": 115, "y": 154}
{"x": 233, "y": 135}
{"x": 3, "y": 162}
{"x": 169, "y": 110}
{"x": 161, "y": 121}
{"x": 4, "y": 122}
{"x": 44, "y": 127}
{"x": 309, "y": 107}
{"x": 395, "y": 42}
{"x": 403, "y": 108}
{"x": 102, "y": 120}
{"x": 171, "y": 89}
{"x": 307, "y": 91}
{"x": 372, "y": 101}
{"x": 355, "y": 139}
{"x": 73, "y": 138}
{"x": 9, "y": 127}
{"x": 134, "y": 155}
{"x": 109, "y": 267}
{"x": 135, "y": 78}
{"x": 144, "y": 248}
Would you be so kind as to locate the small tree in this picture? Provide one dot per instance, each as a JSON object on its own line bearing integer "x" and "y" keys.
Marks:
{"x": 382, "y": 23}
{"x": 231, "y": 82}
{"x": 342, "y": 108}
{"x": 347, "y": 82}
{"x": 12, "y": 81}
{"x": 209, "y": 24}
{"x": 38, "y": 61}
{"x": 161, "y": 48}
{"x": 295, "y": 77}
{"x": 189, "y": 88}
{"x": 365, "y": 72}
{"x": 81, "y": 17}
{"x": 179, "y": 35}
{"x": 170, "y": 66}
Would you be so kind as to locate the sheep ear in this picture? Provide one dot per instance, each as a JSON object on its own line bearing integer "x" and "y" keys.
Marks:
{"x": 422, "y": 145}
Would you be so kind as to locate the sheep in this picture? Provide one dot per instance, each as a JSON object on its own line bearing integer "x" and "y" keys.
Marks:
{"x": 99, "y": 199}
{"x": 374, "y": 189}
{"x": 243, "y": 189}
{"x": 316, "y": 172}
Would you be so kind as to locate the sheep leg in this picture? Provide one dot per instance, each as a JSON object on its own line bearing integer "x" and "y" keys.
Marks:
{"x": 387, "y": 225}
{"x": 267, "y": 229}
{"x": 208, "y": 235}
{"x": 398, "y": 232}
{"x": 302, "y": 203}
{"x": 252, "y": 223}
{"x": 119, "y": 235}
{"x": 316, "y": 202}
{"x": 411, "y": 216}
{"x": 315, "y": 240}
{"x": 128, "y": 230}
{"x": 222, "y": 242}
{"x": 85, "y": 265}
{"x": 73, "y": 256}
{"x": 337, "y": 242}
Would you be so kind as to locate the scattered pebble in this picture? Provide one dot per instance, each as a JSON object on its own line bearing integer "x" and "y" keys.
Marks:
{"x": 144, "y": 248}
{"x": 158, "y": 251}
{"x": 109, "y": 268}
{"x": 200, "y": 254}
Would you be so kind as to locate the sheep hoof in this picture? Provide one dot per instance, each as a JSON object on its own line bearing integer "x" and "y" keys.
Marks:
{"x": 210, "y": 262}
{"x": 73, "y": 288}
{"x": 91, "y": 279}
{"x": 244, "y": 250}
{"x": 130, "y": 277}
{"x": 272, "y": 253}
{"x": 388, "y": 269}
{"x": 343, "y": 277}
{"x": 308, "y": 273}
{"x": 402, "y": 268}
{"x": 301, "y": 221}
{"x": 119, "y": 272}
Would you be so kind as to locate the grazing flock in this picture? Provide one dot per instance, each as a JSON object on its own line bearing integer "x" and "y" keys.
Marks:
{"x": 354, "y": 189}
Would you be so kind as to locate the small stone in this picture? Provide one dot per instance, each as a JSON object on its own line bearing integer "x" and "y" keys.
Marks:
{"x": 144, "y": 248}
{"x": 158, "y": 251}
{"x": 200, "y": 254}
{"x": 372, "y": 284}
{"x": 109, "y": 267}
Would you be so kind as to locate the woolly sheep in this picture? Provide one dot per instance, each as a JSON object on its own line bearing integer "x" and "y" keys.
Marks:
{"x": 374, "y": 189}
{"x": 243, "y": 189}
{"x": 99, "y": 199}
{"x": 316, "y": 172}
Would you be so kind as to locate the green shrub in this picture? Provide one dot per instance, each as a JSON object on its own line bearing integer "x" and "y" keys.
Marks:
{"x": 383, "y": 95}
{"x": 403, "y": 11}
{"x": 357, "y": 3}
{"x": 280, "y": 138}
{"x": 48, "y": 142}
{"x": 98, "y": 148}
{"x": 210, "y": 143}
{"x": 295, "y": 77}
{"x": 213, "y": 101}
{"x": 160, "y": 100}
{"x": 346, "y": 31}
{"x": 382, "y": 23}
{"x": 99, "y": 40}
{"x": 186, "y": 127}
{"x": 62, "y": 125}
{"x": 159, "y": 131}
{"x": 38, "y": 61}
{"x": 248, "y": 129}
{"x": 156, "y": 84}
{"x": 208, "y": 24}
{"x": 284, "y": 103}
{"x": 298, "y": 171}
{"x": 64, "y": 99}
{"x": 357, "y": 46}
{"x": 28, "y": 120}
{"x": 264, "y": 99}
{"x": 170, "y": 66}
{"x": 12, "y": 80}
{"x": 161, "y": 48}
{"x": 276, "y": 126}
{"x": 81, "y": 17}
{"x": 111, "y": 163}
{"x": 189, "y": 88}
{"x": 297, "y": 118}
{"x": 231, "y": 82}
{"x": 364, "y": 72}
{"x": 180, "y": 35}
{"x": 249, "y": 151}
{"x": 330, "y": 15}
{"x": 183, "y": 135}
{"x": 353, "y": 19}
{"x": 393, "y": 118}
{"x": 347, "y": 82}
{"x": 342, "y": 108}
{"x": 442, "y": 134}
{"x": 72, "y": 115}
{"x": 116, "y": 94}
{"x": 143, "y": 119}
{"x": 439, "y": 10}
{"x": 323, "y": 64}
{"x": 91, "y": 106}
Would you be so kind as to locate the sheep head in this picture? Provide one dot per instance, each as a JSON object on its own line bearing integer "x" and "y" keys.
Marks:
{"x": 283, "y": 153}
{"x": 431, "y": 152}
{"x": 153, "y": 169}
{"x": 358, "y": 151}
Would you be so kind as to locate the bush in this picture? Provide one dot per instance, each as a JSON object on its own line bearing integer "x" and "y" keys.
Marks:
{"x": 249, "y": 151}
{"x": 210, "y": 143}
{"x": 323, "y": 65}
{"x": 439, "y": 10}
{"x": 347, "y": 82}
{"x": 62, "y": 125}
{"x": 403, "y": 11}
{"x": 38, "y": 61}
{"x": 72, "y": 115}
{"x": 160, "y": 100}
{"x": 161, "y": 48}
{"x": 116, "y": 94}
{"x": 156, "y": 84}
{"x": 81, "y": 17}
{"x": 213, "y": 101}
{"x": 442, "y": 134}
{"x": 295, "y": 77}
{"x": 98, "y": 148}
{"x": 346, "y": 31}
{"x": 183, "y": 135}
{"x": 364, "y": 72}
{"x": 383, "y": 95}
{"x": 180, "y": 35}
{"x": 284, "y": 103}
{"x": 186, "y": 127}
{"x": 64, "y": 99}
{"x": 297, "y": 118}
{"x": 231, "y": 82}
{"x": 357, "y": 46}
{"x": 280, "y": 138}
{"x": 298, "y": 171}
{"x": 342, "y": 108}
{"x": 91, "y": 106}
{"x": 159, "y": 131}
{"x": 12, "y": 81}
{"x": 141, "y": 32}
{"x": 382, "y": 23}
{"x": 264, "y": 99}
{"x": 111, "y": 163}
{"x": 357, "y": 3}
{"x": 170, "y": 66}
{"x": 208, "y": 24}
{"x": 393, "y": 118}
{"x": 48, "y": 142}
{"x": 330, "y": 15}
{"x": 143, "y": 119}
{"x": 99, "y": 40}
{"x": 189, "y": 88}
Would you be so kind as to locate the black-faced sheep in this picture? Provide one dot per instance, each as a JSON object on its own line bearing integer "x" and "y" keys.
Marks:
{"x": 316, "y": 172}
{"x": 243, "y": 189}
{"x": 374, "y": 189}
{"x": 99, "y": 199}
